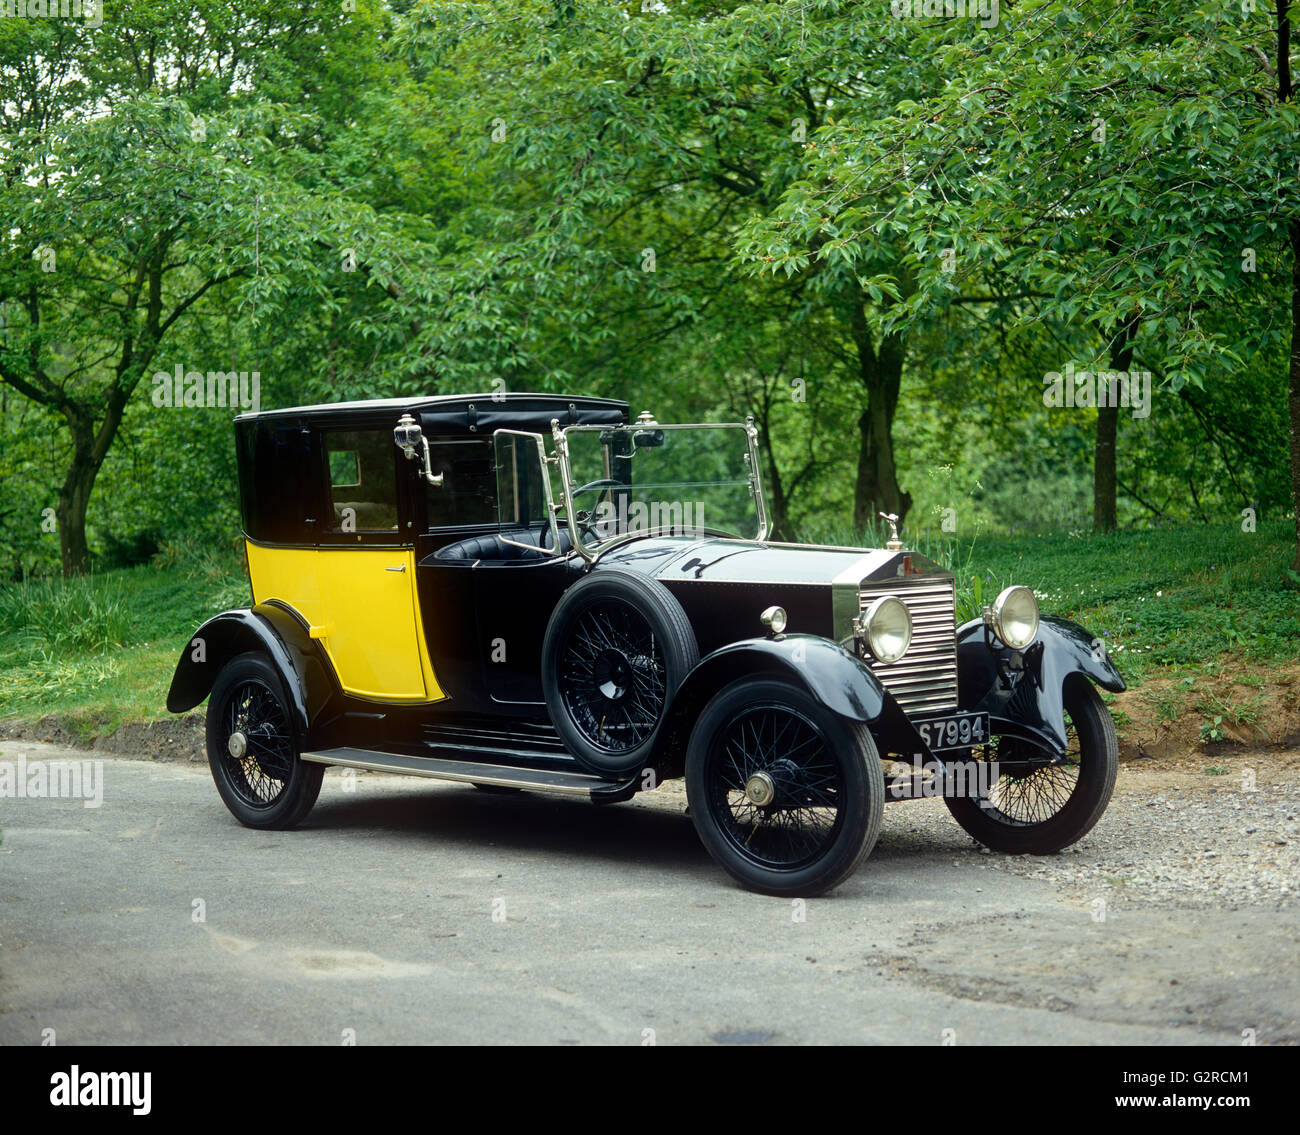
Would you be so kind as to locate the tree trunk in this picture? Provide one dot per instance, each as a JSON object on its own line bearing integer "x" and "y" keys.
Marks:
{"x": 89, "y": 448}
{"x": 1293, "y": 399}
{"x": 1105, "y": 514}
{"x": 74, "y": 496}
{"x": 880, "y": 372}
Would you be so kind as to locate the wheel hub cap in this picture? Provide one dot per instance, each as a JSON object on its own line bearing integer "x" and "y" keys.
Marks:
{"x": 613, "y": 674}
{"x": 760, "y": 789}
{"x": 237, "y": 746}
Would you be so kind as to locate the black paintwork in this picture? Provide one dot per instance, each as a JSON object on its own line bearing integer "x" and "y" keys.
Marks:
{"x": 485, "y": 617}
{"x": 282, "y": 475}
{"x": 835, "y": 677}
{"x": 485, "y": 621}
{"x": 1023, "y": 691}
{"x": 725, "y": 585}
{"x": 266, "y": 629}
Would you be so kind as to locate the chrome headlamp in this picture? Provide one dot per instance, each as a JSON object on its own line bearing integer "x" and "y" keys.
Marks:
{"x": 886, "y": 627}
{"x": 774, "y": 619}
{"x": 1014, "y": 617}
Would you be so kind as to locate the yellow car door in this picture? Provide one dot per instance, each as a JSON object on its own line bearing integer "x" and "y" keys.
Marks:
{"x": 372, "y": 632}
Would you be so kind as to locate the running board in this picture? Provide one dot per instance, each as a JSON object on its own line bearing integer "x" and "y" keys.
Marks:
{"x": 474, "y": 772}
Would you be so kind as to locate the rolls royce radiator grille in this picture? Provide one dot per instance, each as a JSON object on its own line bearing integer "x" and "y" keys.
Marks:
{"x": 925, "y": 678}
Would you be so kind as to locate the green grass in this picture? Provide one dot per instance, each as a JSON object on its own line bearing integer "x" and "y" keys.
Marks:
{"x": 101, "y": 649}
{"x": 1165, "y": 705}
{"x": 1185, "y": 602}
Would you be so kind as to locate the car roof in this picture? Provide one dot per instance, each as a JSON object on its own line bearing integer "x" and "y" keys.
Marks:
{"x": 475, "y": 413}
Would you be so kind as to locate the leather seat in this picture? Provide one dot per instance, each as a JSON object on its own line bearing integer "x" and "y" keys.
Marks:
{"x": 492, "y": 549}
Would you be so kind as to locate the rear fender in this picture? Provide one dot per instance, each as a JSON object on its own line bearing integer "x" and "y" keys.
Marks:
{"x": 268, "y": 630}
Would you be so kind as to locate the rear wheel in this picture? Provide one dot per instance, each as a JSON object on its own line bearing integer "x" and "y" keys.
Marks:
{"x": 786, "y": 795}
{"x": 1036, "y": 805}
{"x": 253, "y": 747}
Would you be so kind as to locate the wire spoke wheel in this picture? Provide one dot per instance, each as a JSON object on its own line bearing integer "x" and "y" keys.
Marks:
{"x": 614, "y": 676}
{"x": 775, "y": 786}
{"x": 786, "y": 795}
{"x": 260, "y": 760}
{"x": 617, "y": 648}
{"x": 1038, "y": 803}
{"x": 1029, "y": 790}
{"x": 253, "y": 747}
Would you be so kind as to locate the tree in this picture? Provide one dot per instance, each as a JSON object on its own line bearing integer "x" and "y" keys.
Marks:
{"x": 627, "y": 146}
{"x": 1125, "y": 169}
{"x": 148, "y": 169}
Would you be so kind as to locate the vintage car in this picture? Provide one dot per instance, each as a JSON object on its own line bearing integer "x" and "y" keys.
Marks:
{"x": 535, "y": 592}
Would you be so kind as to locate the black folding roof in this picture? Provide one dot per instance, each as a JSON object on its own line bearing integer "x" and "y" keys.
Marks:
{"x": 458, "y": 413}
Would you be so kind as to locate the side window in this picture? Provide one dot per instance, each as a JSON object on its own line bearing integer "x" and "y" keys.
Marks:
{"x": 468, "y": 495}
{"x": 362, "y": 481}
{"x": 275, "y": 481}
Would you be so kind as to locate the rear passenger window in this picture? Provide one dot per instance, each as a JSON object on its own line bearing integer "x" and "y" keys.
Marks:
{"x": 363, "y": 482}
{"x": 276, "y": 492}
{"x": 345, "y": 469}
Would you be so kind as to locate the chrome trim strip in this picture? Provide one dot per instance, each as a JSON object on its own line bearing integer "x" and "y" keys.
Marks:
{"x": 571, "y": 521}
{"x": 756, "y": 480}
{"x": 566, "y": 480}
{"x": 554, "y": 550}
{"x": 845, "y": 600}
{"x": 384, "y": 762}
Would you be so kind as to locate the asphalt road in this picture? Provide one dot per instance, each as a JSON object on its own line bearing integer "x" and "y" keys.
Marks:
{"x": 409, "y": 911}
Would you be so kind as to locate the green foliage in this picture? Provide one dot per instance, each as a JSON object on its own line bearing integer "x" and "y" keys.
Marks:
{"x": 1116, "y": 163}
{"x": 105, "y": 645}
{"x": 1218, "y": 709}
{"x": 453, "y": 196}
{"x": 79, "y": 616}
{"x": 1171, "y": 597}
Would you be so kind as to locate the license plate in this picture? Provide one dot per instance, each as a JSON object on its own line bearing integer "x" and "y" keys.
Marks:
{"x": 953, "y": 730}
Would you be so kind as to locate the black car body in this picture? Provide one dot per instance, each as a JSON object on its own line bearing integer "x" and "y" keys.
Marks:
{"x": 534, "y": 592}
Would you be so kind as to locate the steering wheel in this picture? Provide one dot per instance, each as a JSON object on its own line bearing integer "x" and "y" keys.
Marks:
{"x": 604, "y": 483}
{"x": 587, "y": 523}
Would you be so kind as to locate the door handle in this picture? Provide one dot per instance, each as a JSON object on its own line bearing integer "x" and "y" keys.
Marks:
{"x": 399, "y": 567}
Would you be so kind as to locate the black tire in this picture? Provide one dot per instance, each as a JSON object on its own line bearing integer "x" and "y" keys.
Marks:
{"x": 617, "y": 647}
{"x": 1050, "y": 807}
{"x": 826, "y": 779}
{"x": 269, "y": 785}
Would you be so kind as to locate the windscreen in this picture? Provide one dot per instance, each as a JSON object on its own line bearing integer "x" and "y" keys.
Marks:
{"x": 523, "y": 491}
{"x": 660, "y": 480}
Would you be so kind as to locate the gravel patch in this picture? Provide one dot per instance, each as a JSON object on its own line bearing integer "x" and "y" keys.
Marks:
{"x": 1158, "y": 842}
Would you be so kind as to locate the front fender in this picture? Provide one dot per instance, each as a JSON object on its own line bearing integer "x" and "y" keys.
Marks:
{"x": 841, "y": 682}
{"x": 1023, "y": 691}
{"x": 267, "y": 630}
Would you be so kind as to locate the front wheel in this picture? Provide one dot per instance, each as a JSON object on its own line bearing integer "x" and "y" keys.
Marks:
{"x": 253, "y": 748}
{"x": 1037, "y": 806}
{"x": 785, "y": 795}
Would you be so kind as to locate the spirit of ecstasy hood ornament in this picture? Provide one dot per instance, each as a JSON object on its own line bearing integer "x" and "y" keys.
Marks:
{"x": 895, "y": 544}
